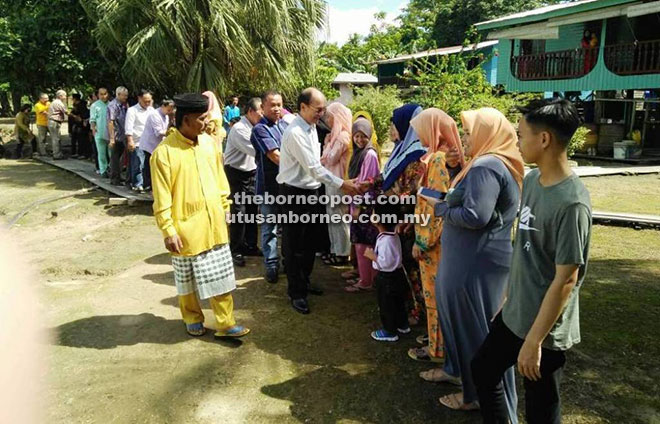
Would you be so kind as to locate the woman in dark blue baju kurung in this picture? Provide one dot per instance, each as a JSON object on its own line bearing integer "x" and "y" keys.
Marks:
{"x": 476, "y": 249}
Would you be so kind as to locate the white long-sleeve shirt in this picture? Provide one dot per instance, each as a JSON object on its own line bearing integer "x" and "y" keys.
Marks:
{"x": 136, "y": 118}
{"x": 240, "y": 153}
{"x": 300, "y": 158}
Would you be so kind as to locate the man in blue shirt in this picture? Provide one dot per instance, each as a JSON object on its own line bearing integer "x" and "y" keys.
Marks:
{"x": 231, "y": 111}
{"x": 266, "y": 139}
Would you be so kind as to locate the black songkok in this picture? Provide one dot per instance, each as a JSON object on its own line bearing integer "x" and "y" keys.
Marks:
{"x": 191, "y": 103}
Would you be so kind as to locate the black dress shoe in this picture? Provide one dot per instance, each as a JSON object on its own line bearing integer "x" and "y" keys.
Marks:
{"x": 300, "y": 305}
{"x": 238, "y": 259}
{"x": 315, "y": 290}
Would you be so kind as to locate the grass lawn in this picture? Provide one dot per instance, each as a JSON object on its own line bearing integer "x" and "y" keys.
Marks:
{"x": 638, "y": 194}
{"x": 119, "y": 352}
{"x": 615, "y": 370}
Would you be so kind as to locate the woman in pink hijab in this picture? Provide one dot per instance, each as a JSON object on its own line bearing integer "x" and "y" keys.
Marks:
{"x": 336, "y": 153}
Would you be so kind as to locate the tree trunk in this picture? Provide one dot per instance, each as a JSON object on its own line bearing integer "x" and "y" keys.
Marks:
{"x": 16, "y": 100}
{"x": 5, "y": 107}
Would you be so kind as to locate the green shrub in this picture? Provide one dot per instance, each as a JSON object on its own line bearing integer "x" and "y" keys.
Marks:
{"x": 578, "y": 140}
{"x": 379, "y": 102}
{"x": 449, "y": 85}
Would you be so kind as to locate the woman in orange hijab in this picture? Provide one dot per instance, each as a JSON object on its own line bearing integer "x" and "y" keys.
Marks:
{"x": 476, "y": 250}
{"x": 438, "y": 133}
{"x": 214, "y": 127}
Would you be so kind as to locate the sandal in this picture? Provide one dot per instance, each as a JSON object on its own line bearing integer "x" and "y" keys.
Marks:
{"x": 196, "y": 330}
{"x": 455, "y": 401}
{"x": 357, "y": 287}
{"x": 352, "y": 281}
{"x": 232, "y": 332}
{"x": 347, "y": 275}
{"x": 339, "y": 260}
{"x": 423, "y": 339}
{"x": 438, "y": 375}
{"x": 328, "y": 258}
{"x": 422, "y": 354}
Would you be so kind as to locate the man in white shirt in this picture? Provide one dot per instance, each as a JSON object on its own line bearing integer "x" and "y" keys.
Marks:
{"x": 301, "y": 173}
{"x": 136, "y": 118}
{"x": 241, "y": 170}
{"x": 57, "y": 114}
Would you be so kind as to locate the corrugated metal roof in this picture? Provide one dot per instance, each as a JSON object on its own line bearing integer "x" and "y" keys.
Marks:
{"x": 354, "y": 78}
{"x": 438, "y": 52}
{"x": 547, "y": 12}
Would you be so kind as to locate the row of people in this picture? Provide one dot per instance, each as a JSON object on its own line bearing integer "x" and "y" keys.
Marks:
{"x": 117, "y": 137}
{"x": 466, "y": 253}
{"x": 456, "y": 272}
{"x": 498, "y": 305}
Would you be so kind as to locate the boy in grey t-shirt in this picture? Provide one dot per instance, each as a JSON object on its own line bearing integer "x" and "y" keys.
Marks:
{"x": 540, "y": 319}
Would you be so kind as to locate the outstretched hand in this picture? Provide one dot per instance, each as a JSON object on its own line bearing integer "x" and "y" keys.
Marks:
{"x": 365, "y": 186}
{"x": 351, "y": 187}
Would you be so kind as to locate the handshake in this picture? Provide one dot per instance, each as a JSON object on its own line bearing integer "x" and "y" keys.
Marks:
{"x": 353, "y": 187}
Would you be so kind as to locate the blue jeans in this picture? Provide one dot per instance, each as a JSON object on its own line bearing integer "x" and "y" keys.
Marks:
{"x": 135, "y": 167}
{"x": 269, "y": 238}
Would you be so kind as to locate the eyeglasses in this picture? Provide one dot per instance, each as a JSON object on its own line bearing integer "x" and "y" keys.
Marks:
{"x": 318, "y": 110}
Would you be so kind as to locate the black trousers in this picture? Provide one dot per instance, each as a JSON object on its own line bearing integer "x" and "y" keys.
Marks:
{"x": 242, "y": 235}
{"x": 80, "y": 144}
{"x": 498, "y": 353}
{"x": 300, "y": 240}
{"x": 115, "y": 161}
{"x": 146, "y": 172}
{"x": 324, "y": 235}
{"x": 392, "y": 290}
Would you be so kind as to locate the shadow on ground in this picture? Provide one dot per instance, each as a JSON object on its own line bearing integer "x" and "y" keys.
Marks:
{"x": 343, "y": 375}
{"x": 616, "y": 367}
{"x": 110, "y": 331}
{"x": 339, "y": 396}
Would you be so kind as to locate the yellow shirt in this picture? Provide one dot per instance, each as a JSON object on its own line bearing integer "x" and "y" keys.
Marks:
{"x": 191, "y": 192}
{"x": 42, "y": 118}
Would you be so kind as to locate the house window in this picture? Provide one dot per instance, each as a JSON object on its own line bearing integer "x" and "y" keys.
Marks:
{"x": 632, "y": 45}
{"x": 528, "y": 47}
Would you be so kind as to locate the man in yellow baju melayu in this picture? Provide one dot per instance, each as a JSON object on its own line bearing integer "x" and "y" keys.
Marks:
{"x": 191, "y": 200}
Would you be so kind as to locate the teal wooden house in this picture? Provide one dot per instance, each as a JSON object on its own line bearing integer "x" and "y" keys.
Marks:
{"x": 394, "y": 71}
{"x": 603, "y": 53}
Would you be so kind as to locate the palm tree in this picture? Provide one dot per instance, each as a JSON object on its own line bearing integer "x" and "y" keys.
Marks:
{"x": 195, "y": 45}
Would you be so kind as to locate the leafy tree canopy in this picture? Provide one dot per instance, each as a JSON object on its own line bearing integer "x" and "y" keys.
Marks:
{"x": 220, "y": 45}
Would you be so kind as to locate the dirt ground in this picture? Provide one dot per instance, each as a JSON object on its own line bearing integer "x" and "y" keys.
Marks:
{"x": 120, "y": 354}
